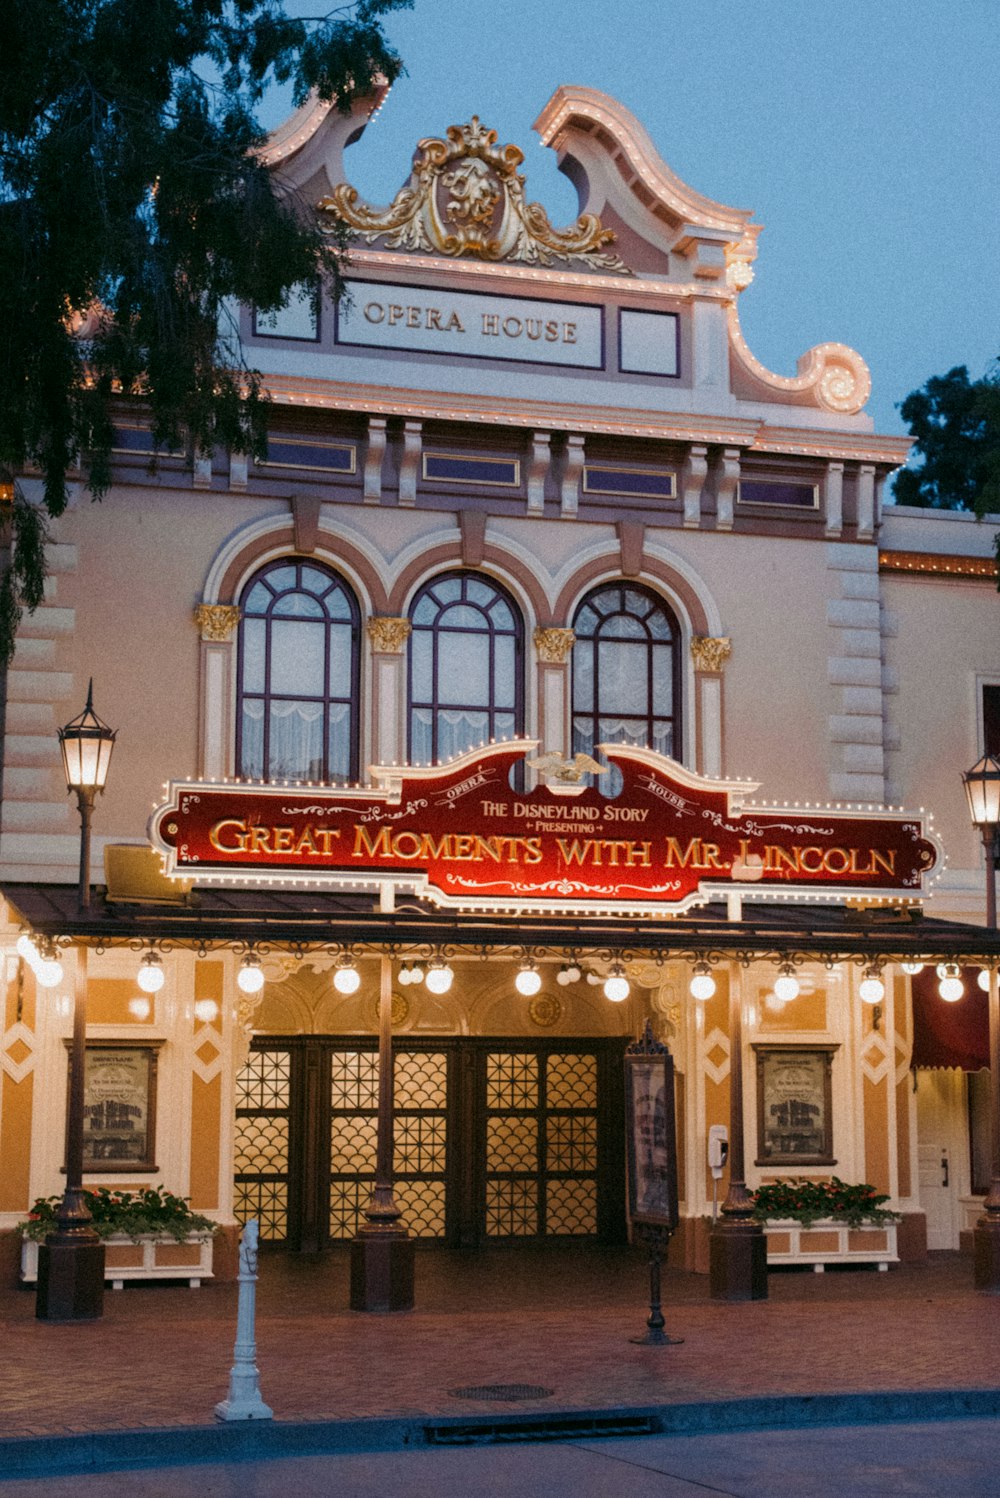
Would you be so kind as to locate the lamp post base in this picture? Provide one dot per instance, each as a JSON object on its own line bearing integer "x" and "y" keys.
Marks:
{"x": 70, "y": 1281}
{"x": 737, "y": 1261}
{"x": 986, "y": 1249}
{"x": 382, "y": 1270}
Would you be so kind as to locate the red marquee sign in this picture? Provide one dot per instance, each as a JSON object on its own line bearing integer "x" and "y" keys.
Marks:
{"x": 462, "y": 836}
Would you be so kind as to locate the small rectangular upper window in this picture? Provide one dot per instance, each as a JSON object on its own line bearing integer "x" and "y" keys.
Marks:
{"x": 647, "y": 483}
{"x": 780, "y": 494}
{"x": 133, "y": 438}
{"x": 307, "y": 452}
{"x": 504, "y": 472}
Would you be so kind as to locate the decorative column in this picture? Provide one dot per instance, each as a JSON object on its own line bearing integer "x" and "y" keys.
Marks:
{"x": 709, "y": 655}
{"x": 387, "y": 636}
{"x": 554, "y": 645}
{"x": 737, "y": 1247}
{"x": 217, "y": 623}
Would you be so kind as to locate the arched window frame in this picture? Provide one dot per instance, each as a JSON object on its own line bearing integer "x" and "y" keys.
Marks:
{"x": 350, "y": 696}
{"x": 656, "y": 601}
{"x": 494, "y": 712}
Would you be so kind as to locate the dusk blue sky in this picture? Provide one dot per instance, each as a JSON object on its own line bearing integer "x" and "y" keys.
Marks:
{"x": 861, "y": 134}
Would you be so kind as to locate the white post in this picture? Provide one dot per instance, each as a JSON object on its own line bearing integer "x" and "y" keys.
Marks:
{"x": 244, "y": 1401}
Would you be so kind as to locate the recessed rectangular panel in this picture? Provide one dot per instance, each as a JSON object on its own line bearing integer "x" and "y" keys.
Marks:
{"x": 431, "y": 320}
{"x": 302, "y": 452}
{"x": 500, "y": 472}
{"x": 299, "y": 319}
{"x": 649, "y": 343}
{"x": 639, "y": 482}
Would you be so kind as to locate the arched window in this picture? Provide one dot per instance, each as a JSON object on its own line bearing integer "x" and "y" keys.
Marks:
{"x": 466, "y": 649}
{"x": 626, "y": 671}
{"x": 298, "y": 675}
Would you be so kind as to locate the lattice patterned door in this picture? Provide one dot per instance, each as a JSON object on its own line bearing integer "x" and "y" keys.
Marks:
{"x": 541, "y": 1175}
{"x": 263, "y": 1103}
{"x": 421, "y": 1126}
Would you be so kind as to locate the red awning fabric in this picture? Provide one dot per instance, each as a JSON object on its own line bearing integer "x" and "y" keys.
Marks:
{"x": 950, "y": 1034}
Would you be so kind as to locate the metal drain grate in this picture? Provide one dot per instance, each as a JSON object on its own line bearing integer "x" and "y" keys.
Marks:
{"x": 502, "y": 1392}
{"x": 541, "y": 1428}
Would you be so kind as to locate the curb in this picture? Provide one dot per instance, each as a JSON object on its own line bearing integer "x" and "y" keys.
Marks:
{"x": 106, "y": 1451}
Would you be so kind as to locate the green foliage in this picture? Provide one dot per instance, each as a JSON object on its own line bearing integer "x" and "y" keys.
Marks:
{"x": 135, "y": 212}
{"x": 131, "y": 1213}
{"x": 808, "y": 1201}
{"x": 956, "y": 424}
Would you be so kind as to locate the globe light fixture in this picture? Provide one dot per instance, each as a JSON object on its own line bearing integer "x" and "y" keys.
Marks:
{"x": 872, "y": 989}
{"x": 702, "y": 985}
{"x": 950, "y": 985}
{"x": 439, "y": 977}
{"x": 250, "y": 978}
{"x": 528, "y": 980}
{"x": 27, "y": 948}
{"x": 786, "y": 985}
{"x": 405, "y": 975}
{"x": 983, "y": 979}
{"x": 150, "y": 976}
{"x": 913, "y": 968}
{"x": 49, "y": 972}
{"x": 616, "y": 985}
{"x": 346, "y": 978}
{"x": 86, "y": 743}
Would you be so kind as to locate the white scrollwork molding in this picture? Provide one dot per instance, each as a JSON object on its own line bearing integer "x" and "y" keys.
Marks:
{"x": 554, "y": 644}
{"x": 388, "y": 635}
{"x": 217, "y": 621}
{"x": 710, "y": 654}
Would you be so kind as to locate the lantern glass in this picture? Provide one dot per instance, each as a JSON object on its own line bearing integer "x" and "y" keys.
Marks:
{"x": 86, "y": 743}
{"x": 982, "y": 791}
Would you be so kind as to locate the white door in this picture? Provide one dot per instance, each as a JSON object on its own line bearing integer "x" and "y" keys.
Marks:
{"x": 942, "y": 1152}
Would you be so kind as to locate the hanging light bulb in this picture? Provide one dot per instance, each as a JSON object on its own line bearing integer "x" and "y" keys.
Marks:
{"x": 151, "y": 976}
{"x": 439, "y": 977}
{"x": 416, "y": 973}
{"x": 346, "y": 978}
{"x": 206, "y": 1011}
{"x": 950, "y": 985}
{"x": 140, "y": 1008}
{"x": 913, "y": 968}
{"x": 49, "y": 972}
{"x": 702, "y": 985}
{"x": 250, "y": 978}
{"x": 593, "y": 979}
{"x": 27, "y": 948}
{"x": 573, "y": 973}
{"x": 872, "y": 989}
{"x": 786, "y": 985}
{"x": 405, "y": 976}
{"x": 616, "y": 985}
{"x": 562, "y": 976}
{"x": 983, "y": 979}
{"x": 528, "y": 980}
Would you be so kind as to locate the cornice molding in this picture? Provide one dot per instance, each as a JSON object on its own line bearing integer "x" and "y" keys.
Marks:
{"x": 934, "y": 564}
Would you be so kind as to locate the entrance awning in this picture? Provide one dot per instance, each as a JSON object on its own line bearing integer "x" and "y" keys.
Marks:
{"x": 309, "y": 919}
{"x": 950, "y": 1034}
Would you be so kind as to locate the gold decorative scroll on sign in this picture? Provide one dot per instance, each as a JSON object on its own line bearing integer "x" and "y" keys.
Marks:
{"x": 466, "y": 197}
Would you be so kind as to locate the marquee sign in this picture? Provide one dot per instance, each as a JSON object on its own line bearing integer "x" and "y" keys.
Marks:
{"x": 462, "y": 835}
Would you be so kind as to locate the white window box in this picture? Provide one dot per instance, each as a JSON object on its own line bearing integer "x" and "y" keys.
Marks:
{"x": 150, "y": 1257}
{"x": 827, "y": 1241}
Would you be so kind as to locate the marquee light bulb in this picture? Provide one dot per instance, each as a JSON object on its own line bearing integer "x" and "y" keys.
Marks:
{"x": 616, "y": 985}
{"x": 439, "y": 977}
{"x": 347, "y": 979}
{"x": 151, "y": 977}
{"x": 702, "y": 985}
{"x": 528, "y": 980}
{"x": 250, "y": 978}
{"x": 786, "y": 985}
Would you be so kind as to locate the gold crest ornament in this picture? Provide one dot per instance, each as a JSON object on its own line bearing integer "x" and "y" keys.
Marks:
{"x": 466, "y": 197}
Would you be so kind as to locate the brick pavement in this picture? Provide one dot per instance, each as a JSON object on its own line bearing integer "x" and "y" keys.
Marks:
{"x": 561, "y": 1319}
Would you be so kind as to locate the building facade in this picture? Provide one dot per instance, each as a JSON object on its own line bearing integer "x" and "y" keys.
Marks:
{"x": 523, "y": 482}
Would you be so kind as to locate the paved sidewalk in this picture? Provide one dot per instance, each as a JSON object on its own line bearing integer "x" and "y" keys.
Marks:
{"x": 558, "y": 1319}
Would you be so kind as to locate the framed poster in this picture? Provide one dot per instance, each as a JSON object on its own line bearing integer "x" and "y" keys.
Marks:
{"x": 119, "y": 1106}
{"x": 794, "y": 1106}
{"x": 651, "y": 1134}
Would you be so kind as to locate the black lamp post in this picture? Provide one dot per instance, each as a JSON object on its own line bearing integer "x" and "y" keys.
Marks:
{"x": 982, "y": 789}
{"x": 71, "y": 1260}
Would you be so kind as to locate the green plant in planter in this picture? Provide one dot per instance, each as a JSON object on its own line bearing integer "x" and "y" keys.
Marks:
{"x": 131, "y": 1213}
{"x": 808, "y": 1201}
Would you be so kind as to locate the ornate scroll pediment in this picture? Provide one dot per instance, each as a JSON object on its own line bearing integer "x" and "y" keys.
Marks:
{"x": 466, "y": 197}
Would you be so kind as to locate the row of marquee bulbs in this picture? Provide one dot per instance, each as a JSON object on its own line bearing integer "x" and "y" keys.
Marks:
{"x": 871, "y": 990}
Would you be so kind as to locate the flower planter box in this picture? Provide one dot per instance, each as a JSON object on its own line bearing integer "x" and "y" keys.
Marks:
{"x": 827, "y": 1241}
{"x": 146, "y": 1258}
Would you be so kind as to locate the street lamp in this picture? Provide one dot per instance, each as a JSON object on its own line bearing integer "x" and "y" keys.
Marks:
{"x": 982, "y": 789}
{"x": 71, "y": 1260}
{"x": 86, "y": 745}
